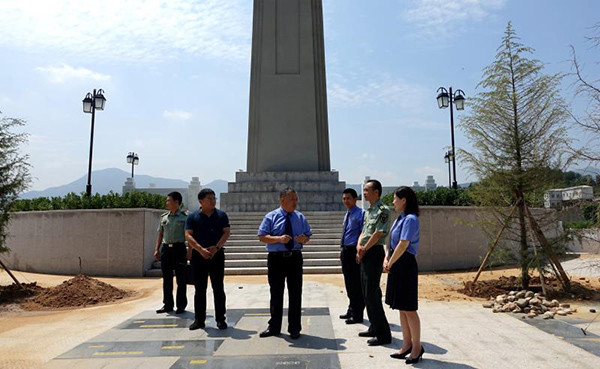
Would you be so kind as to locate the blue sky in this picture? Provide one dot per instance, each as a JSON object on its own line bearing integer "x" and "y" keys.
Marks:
{"x": 176, "y": 78}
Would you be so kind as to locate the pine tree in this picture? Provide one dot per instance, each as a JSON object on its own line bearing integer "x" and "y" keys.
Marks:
{"x": 14, "y": 171}
{"x": 516, "y": 129}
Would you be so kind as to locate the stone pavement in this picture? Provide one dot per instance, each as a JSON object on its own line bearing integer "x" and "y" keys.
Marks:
{"x": 131, "y": 335}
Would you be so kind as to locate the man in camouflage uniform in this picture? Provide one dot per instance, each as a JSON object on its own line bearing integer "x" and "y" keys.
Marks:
{"x": 370, "y": 255}
{"x": 173, "y": 254}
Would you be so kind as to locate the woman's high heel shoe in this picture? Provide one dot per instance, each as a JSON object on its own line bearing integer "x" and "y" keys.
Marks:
{"x": 411, "y": 360}
{"x": 401, "y": 355}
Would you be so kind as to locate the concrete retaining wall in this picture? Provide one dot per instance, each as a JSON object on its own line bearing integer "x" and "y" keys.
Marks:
{"x": 110, "y": 242}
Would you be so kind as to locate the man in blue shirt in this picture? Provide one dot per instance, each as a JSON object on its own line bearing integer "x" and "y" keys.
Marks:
{"x": 353, "y": 225}
{"x": 285, "y": 231}
{"x": 206, "y": 231}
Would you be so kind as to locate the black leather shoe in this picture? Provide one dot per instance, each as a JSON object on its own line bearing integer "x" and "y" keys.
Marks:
{"x": 221, "y": 325}
{"x": 179, "y": 311}
{"x": 411, "y": 360}
{"x": 268, "y": 333}
{"x": 197, "y": 325}
{"x": 401, "y": 355}
{"x": 295, "y": 335}
{"x": 366, "y": 334}
{"x": 353, "y": 321}
{"x": 164, "y": 309}
{"x": 378, "y": 342}
{"x": 346, "y": 316}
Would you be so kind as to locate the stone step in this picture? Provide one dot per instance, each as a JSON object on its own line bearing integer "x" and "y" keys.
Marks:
{"x": 307, "y": 249}
{"x": 320, "y": 223}
{"x": 263, "y": 262}
{"x": 261, "y": 271}
{"x": 252, "y": 236}
{"x": 256, "y": 242}
{"x": 263, "y": 255}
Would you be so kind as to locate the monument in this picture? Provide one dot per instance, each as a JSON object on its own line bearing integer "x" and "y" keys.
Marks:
{"x": 288, "y": 135}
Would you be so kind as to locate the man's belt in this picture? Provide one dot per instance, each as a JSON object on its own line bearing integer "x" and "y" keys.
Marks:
{"x": 353, "y": 245}
{"x": 173, "y": 244}
{"x": 287, "y": 254}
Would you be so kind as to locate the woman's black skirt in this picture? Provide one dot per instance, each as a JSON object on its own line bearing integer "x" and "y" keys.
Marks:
{"x": 402, "y": 284}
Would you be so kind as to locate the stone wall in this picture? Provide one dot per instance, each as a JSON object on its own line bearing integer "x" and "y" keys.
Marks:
{"x": 110, "y": 242}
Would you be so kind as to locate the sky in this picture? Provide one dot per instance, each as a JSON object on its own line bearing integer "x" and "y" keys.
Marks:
{"x": 176, "y": 77}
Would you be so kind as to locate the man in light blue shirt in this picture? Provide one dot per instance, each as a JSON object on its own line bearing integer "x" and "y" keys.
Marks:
{"x": 353, "y": 225}
{"x": 285, "y": 231}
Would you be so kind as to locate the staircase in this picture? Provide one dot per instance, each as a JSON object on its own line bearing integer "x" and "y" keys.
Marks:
{"x": 245, "y": 255}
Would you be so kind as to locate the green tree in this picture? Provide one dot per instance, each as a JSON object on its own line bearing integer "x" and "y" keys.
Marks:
{"x": 14, "y": 171}
{"x": 516, "y": 129}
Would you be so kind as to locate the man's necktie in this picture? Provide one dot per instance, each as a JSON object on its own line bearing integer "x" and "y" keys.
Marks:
{"x": 344, "y": 231}
{"x": 289, "y": 232}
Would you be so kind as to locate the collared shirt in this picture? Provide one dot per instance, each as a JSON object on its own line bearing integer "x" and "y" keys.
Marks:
{"x": 354, "y": 225}
{"x": 273, "y": 224}
{"x": 173, "y": 226}
{"x": 207, "y": 230}
{"x": 406, "y": 228}
{"x": 376, "y": 219}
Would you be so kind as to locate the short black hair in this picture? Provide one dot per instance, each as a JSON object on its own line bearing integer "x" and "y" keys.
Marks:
{"x": 205, "y": 192}
{"x": 351, "y": 191}
{"x": 376, "y": 185}
{"x": 412, "y": 204}
{"x": 176, "y": 196}
{"x": 286, "y": 191}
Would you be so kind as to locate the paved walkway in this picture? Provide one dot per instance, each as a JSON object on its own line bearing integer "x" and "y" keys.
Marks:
{"x": 455, "y": 335}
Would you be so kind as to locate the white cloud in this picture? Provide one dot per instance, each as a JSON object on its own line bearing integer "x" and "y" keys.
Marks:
{"x": 64, "y": 72}
{"x": 444, "y": 18}
{"x": 378, "y": 91}
{"x": 177, "y": 115}
{"x": 130, "y": 31}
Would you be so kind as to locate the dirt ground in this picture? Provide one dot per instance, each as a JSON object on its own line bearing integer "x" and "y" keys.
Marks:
{"x": 444, "y": 286}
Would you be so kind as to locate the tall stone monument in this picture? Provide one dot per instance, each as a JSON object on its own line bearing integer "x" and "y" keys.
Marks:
{"x": 288, "y": 136}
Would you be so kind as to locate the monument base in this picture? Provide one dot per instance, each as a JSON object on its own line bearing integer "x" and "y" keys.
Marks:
{"x": 318, "y": 191}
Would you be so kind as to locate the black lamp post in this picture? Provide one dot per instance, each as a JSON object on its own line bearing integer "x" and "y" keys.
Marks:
{"x": 133, "y": 159}
{"x": 445, "y": 98}
{"x": 91, "y": 102}
{"x": 448, "y": 157}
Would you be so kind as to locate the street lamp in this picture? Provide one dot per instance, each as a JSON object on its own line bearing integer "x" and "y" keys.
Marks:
{"x": 91, "y": 102}
{"x": 448, "y": 157}
{"x": 133, "y": 159}
{"x": 445, "y": 98}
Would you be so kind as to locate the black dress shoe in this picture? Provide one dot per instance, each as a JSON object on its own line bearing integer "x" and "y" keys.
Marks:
{"x": 179, "y": 311}
{"x": 348, "y": 315}
{"x": 164, "y": 309}
{"x": 268, "y": 333}
{"x": 411, "y": 360}
{"x": 295, "y": 335}
{"x": 197, "y": 325}
{"x": 401, "y": 355}
{"x": 221, "y": 325}
{"x": 353, "y": 321}
{"x": 375, "y": 341}
{"x": 366, "y": 334}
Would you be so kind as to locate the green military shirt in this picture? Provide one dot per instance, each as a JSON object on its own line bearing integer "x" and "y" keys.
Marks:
{"x": 376, "y": 218}
{"x": 173, "y": 226}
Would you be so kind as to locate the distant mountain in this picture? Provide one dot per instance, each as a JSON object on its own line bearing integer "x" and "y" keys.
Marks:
{"x": 112, "y": 179}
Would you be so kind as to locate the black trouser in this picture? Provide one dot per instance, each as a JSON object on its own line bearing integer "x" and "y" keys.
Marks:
{"x": 282, "y": 265}
{"x": 371, "y": 268}
{"x": 351, "y": 270}
{"x": 173, "y": 259}
{"x": 201, "y": 269}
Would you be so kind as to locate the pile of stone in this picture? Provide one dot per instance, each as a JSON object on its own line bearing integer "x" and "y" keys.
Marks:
{"x": 529, "y": 303}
